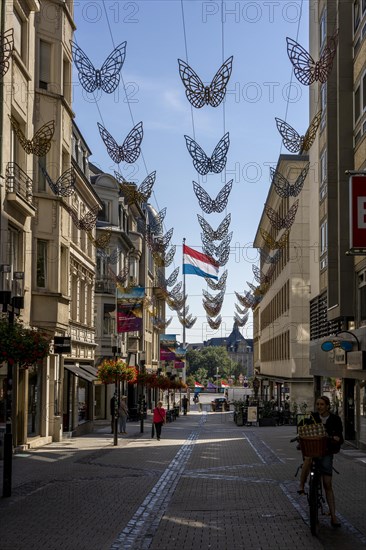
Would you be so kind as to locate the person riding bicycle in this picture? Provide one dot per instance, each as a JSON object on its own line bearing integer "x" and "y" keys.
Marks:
{"x": 334, "y": 429}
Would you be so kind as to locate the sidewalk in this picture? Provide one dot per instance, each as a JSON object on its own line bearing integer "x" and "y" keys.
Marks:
{"x": 208, "y": 484}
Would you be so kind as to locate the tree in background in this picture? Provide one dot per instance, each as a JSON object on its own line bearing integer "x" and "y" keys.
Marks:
{"x": 213, "y": 360}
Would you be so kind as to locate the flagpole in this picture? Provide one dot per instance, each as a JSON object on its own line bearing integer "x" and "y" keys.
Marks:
{"x": 184, "y": 294}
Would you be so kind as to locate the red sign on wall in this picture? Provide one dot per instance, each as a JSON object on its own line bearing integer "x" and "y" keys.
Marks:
{"x": 357, "y": 202}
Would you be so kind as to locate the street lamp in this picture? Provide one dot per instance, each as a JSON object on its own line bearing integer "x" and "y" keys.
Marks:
{"x": 116, "y": 397}
{"x": 12, "y": 300}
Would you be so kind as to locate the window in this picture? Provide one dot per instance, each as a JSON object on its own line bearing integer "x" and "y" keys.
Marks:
{"x": 19, "y": 39}
{"x": 323, "y": 28}
{"x": 41, "y": 263}
{"x": 323, "y": 102}
{"x": 105, "y": 214}
{"x": 44, "y": 64}
{"x": 109, "y": 317}
{"x": 66, "y": 81}
{"x": 323, "y": 237}
{"x": 356, "y": 14}
{"x": 64, "y": 271}
{"x": 323, "y": 167}
{"x": 357, "y": 103}
{"x": 14, "y": 249}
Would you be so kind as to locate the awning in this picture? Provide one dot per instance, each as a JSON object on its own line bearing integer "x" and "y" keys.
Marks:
{"x": 90, "y": 369}
{"x": 77, "y": 371}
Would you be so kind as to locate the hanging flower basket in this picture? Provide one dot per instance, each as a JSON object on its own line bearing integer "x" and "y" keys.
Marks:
{"x": 22, "y": 345}
{"x": 112, "y": 370}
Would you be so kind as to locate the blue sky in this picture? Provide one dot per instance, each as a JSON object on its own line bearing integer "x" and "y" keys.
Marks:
{"x": 261, "y": 88}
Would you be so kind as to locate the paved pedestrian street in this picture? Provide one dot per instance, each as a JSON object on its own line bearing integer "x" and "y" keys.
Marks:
{"x": 207, "y": 485}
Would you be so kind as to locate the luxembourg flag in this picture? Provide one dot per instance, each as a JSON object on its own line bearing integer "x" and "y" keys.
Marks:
{"x": 195, "y": 263}
{"x": 198, "y": 385}
{"x": 225, "y": 385}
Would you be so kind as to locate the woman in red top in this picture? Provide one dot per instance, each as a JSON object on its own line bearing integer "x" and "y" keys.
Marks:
{"x": 159, "y": 415}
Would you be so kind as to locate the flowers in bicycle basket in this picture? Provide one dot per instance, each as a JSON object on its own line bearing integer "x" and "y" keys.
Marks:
{"x": 312, "y": 430}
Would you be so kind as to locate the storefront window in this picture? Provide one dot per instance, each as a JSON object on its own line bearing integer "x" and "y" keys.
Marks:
{"x": 34, "y": 400}
{"x": 83, "y": 400}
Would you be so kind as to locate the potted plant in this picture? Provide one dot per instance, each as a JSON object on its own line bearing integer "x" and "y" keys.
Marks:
{"x": 266, "y": 417}
{"x": 22, "y": 345}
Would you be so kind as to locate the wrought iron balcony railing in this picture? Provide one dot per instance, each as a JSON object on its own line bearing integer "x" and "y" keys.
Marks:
{"x": 17, "y": 181}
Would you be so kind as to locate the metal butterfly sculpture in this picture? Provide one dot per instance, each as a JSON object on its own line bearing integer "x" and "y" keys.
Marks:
{"x": 220, "y": 284}
{"x": 268, "y": 259}
{"x": 212, "y": 309}
{"x": 202, "y": 163}
{"x": 176, "y": 303}
{"x": 258, "y": 290}
{"x": 197, "y": 93}
{"x": 248, "y": 300}
{"x": 102, "y": 241}
{"x": 188, "y": 321}
{"x": 109, "y": 257}
{"x": 122, "y": 277}
{"x": 271, "y": 242}
{"x": 306, "y": 69}
{"x": 159, "y": 244}
{"x": 220, "y": 232}
{"x": 40, "y": 144}
{"x": 277, "y": 221}
{"x": 292, "y": 140}
{"x": 213, "y": 299}
{"x": 241, "y": 311}
{"x": 164, "y": 260}
{"x": 87, "y": 221}
{"x": 64, "y": 186}
{"x": 170, "y": 281}
{"x": 209, "y": 205}
{"x": 261, "y": 277}
{"x": 161, "y": 324}
{"x": 130, "y": 149}
{"x": 134, "y": 194}
{"x": 214, "y": 323}
{"x": 220, "y": 250}
{"x": 241, "y": 321}
{"x": 175, "y": 291}
{"x": 156, "y": 223}
{"x": 6, "y": 50}
{"x": 107, "y": 77}
{"x": 283, "y": 187}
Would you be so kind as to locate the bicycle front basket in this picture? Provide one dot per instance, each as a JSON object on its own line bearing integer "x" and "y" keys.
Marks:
{"x": 313, "y": 446}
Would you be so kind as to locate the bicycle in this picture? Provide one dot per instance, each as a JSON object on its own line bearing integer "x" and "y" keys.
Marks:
{"x": 315, "y": 493}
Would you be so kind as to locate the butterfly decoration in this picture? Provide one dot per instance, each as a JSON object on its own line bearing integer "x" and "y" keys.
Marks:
{"x": 241, "y": 321}
{"x": 223, "y": 258}
{"x": 176, "y": 289}
{"x": 197, "y": 93}
{"x": 283, "y": 187}
{"x": 109, "y": 257}
{"x": 282, "y": 223}
{"x": 102, "y": 241}
{"x": 248, "y": 300}
{"x": 220, "y": 232}
{"x": 292, "y": 140}
{"x": 160, "y": 244}
{"x": 176, "y": 304}
{"x": 268, "y": 259}
{"x": 87, "y": 221}
{"x": 187, "y": 322}
{"x": 216, "y": 163}
{"x": 171, "y": 280}
{"x": 213, "y": 299}
{"x": 258, "y": 290}
{"x": 6, "y": 50}
{"x": 122, "y": 277}
{"x": 155, "y": 224}
{"x": 261, "y": 277}
{"x": 212, "y": 250}
{"x": 271, "y": 242}
{"x": 214, "y": 323}
{"x": 40, "y": 144}
{"x": 212, "y": 310}
{"x": 306, "y": 69}
{"x": 209, "y": 205}
{"x": 107, "y": 77}
{"x": 134, "y": 194}
{"x": 130, "y": 149}
{"x": 161, "y": 324}
{"x": 218, "y": 285}
{"x": 164, "y": 260}
{"x": 241, "y": 311}
{"x": 64, "y": 186}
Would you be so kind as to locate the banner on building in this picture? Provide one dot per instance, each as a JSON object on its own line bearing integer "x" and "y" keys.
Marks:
{"x": 168, "y": 345}
{"x": 130, "y": 303}
{"x": 357, "y": 206}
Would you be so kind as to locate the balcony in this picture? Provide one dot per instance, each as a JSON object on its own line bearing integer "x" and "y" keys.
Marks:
{"x": 19, "y": 189}
{"x": 105, "y": 286}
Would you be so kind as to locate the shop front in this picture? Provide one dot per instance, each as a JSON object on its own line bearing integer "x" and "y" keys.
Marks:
{"x": 79, "y": 397}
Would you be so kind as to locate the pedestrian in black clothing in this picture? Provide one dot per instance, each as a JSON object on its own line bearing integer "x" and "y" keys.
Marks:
{"x": 185, "y": 404}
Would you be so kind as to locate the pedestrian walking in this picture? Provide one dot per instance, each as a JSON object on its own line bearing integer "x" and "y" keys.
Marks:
{"x": 159, "y": 416}
{"x": 185, "y": 404}
{"x": 122, "y": 415}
